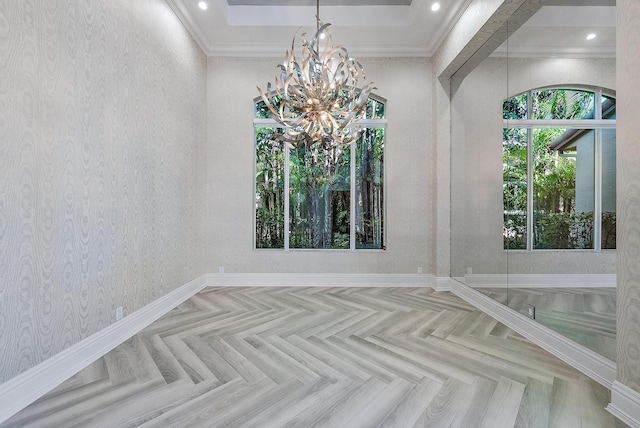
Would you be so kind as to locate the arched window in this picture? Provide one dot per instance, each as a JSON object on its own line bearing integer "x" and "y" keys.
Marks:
{"x": 559, "y": 171}
{"x": 309, "y": 198}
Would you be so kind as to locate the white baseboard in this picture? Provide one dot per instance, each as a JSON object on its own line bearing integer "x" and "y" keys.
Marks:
{"x": 581, "y": 358}
{"x": 319, "y": 280}
{"x": 625, "y": 404}
{"x": 517, "y": 280}
{"x": 24, "y": 389}
{"x": 443, "y": 283}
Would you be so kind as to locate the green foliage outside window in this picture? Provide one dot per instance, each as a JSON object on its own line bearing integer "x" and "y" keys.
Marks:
{"x": 514, "y": 189}
{"x": 369, "y": 186}
{"x": 269, "y": 190}
{"x": 562, "y": 104}
{"x": 319, "y": 195}
{"x": 556, "y": 222}
{"x": 515, "y": 108}
{"x": 319, "y": 207}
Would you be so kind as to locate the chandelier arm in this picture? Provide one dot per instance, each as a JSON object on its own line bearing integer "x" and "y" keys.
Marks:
{"x": 280, "y": 117}
{"x": 328, "y": 123}
{"x": 306, "y": 72}
{"x": 321, "y": 27}
{"x": 332, "y": 69}
{"x": 287, "y": 83}
{"x": 267, "y": 102}
{"x": 308, "y": 128}
{"x": 307, "y": 44}
{"x": 339, "y": 50}
{"x": 328, "y": 46}
{"x": 309, "y": 141}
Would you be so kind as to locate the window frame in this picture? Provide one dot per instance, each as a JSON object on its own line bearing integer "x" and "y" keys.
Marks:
{"x": 364, "y": 123}
{"x": 597, "y": 124}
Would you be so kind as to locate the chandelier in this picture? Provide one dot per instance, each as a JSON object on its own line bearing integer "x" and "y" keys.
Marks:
{"x": 318, "y": 98}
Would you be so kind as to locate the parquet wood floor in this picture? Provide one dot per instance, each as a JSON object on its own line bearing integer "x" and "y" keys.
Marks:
{"x": 324, "y": 357}
{"x": 585, "y": 315}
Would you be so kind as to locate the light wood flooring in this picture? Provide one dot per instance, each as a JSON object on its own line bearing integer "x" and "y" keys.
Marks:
{"x": 585, "y": 315}
{"x": 324, "y": 357}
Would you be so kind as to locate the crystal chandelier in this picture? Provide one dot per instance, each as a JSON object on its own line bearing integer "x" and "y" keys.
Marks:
{"x": 317, "y": 99}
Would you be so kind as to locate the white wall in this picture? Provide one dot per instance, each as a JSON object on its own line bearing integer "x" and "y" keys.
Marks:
{"x": 628, "y": 158}
{"x": 405, "y": 83}
{"x": 477, "y": 165}
{"x": 101, "y": 167}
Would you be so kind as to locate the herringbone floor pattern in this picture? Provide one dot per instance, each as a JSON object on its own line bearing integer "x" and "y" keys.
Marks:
{"x": 324, "y": 357}
{"x": 585, "y": 315}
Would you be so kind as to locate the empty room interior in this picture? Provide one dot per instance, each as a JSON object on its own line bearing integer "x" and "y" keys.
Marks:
{"x": 339, "y": 213}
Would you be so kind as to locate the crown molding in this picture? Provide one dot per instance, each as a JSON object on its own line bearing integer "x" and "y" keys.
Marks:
{"x": 403, "y": 18}
{"x": 276, "y": 51}
{"x": 193, "y": 28}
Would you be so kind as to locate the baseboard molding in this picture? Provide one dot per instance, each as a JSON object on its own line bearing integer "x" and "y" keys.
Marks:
{"x": 581, "y": 358}
{"x": 319, "y": 280}
{"x": 540, "y": 280}
{"x": 24, "y": 389}
{"x": 443, "y": 283}
{"x": 625, "y": 404}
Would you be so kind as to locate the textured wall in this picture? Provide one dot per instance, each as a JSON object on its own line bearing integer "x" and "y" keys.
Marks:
{"x": 405, "y": 83}
{"x": 101, "y": 167}
{"x": 476, "y": 213}
{"x": 628, "y": 221}
{"x": 465, "y": 40}
{"x": 476, "y": 25}
{"x": 440, "y": 192}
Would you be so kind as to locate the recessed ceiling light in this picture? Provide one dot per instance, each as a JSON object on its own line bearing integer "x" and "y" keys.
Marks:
{"x": 591, "y": 36}
{"x": 203, "y": 5}
{"x": 435, "y": 7}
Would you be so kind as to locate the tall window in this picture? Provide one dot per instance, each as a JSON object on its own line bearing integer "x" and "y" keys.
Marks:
{"x": 559, "y": 171}
{"x": 309, "y": 198}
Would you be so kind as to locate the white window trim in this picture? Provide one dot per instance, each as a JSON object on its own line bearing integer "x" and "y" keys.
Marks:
{"x": 597, "y": 124}
{"x": 364, "y": 123}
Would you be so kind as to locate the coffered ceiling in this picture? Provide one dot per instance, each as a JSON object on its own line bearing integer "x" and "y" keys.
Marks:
{"x": 562, "y": 30}
{"x": 366, "y": 27}
{"x": 388, "y": 27}
{"x": 324, "y": 2}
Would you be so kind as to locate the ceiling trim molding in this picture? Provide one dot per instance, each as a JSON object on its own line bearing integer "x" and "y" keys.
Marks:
{"x": 212, "y": 49}
{"x": 451, "y": 21}
{"x": 425, "y": 49}
{"x": 305, "y": 16}
{"x": 191, "y": 26}
{"x": 276, "y": 51}
{"x": 313, "y": 2}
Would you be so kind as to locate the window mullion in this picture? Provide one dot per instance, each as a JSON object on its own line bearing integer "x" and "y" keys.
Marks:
{"x": 560, "y": 123}
{"x": 530, "y": 175}
{"x": 352, "y": 198}
{"x": 597, "y": 202}
{"x": 286, "y": 197}
{"x": 597, "y": 197}
{"x": 530, "y": 206}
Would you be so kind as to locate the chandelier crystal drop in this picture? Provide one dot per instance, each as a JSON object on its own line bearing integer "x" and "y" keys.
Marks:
{"x": 318, "y": 98}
